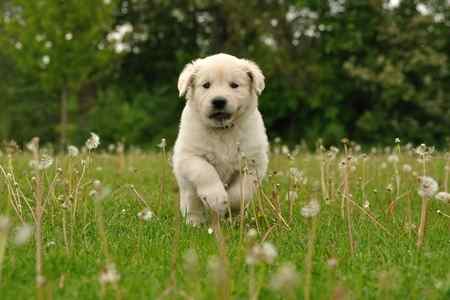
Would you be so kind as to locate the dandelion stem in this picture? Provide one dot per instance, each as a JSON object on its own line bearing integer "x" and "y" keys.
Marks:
{"x": 309, "y": 257}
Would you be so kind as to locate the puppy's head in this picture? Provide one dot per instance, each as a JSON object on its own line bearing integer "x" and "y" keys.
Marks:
{"x": 221, "y": 88}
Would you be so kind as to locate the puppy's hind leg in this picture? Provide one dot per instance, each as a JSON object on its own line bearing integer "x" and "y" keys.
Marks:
{"x": 191, "y": 207}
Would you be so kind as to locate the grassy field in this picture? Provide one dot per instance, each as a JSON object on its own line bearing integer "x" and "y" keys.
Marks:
{"x": 106, "y": 226}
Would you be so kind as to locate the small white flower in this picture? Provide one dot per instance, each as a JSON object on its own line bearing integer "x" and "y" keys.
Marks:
{"x": 145, "y": 215}
{"x": 397, "y": 140}
{"x": 407, "y": 168}
{"x": 73, "y": 150}
{"x": 93, "y": 142}
{"x": 210, "y": 230}
{"x": 68, "y": 36}
{"x": 443, "y": 196}
{"x": 23, "y": 234}
{"x": 109, "y": 274}
{"x": 427, "y": 186}
{"x": 311, "y": 209}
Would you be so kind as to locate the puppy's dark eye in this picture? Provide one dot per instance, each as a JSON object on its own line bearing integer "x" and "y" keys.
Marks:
{"x": 234, "y": 85}
{"x": 206, "y": 85}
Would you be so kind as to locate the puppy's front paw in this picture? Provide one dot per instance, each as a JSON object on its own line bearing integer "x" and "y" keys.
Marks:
{"x": 215, "y": 197}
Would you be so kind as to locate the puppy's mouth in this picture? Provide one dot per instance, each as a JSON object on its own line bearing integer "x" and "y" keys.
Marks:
{"x": 220, "y": 116}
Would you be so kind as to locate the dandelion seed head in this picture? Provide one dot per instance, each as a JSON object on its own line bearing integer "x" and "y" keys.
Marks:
{"x": 427, "y": 186}
{"x": 162, "y": 144}
{"x": 393, "y": 158}
{"x": 261, "y": 253}
{"x": 109, "y": 274}
{"x": 93, "y": 142}
{"x": 44, "y": 162}
{"x": 311, "y": 209}
{"x": 407, "y": 168}
{"x": 443, "y": 197}
{"x": 286, "y": 279}
{"x": 23, "y": 234}
{"x": 145, "y": 215}
{"x": 252, "y": 234}
{"x": 72, "y": 150}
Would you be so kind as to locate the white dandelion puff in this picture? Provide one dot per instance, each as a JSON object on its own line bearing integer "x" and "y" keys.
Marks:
{"x": 93, "y": 142}
{"x": 72, "y": 150}
{"x": 44, "y": 162}
{"x": 407, "y": 168}
{"x": 162, "y": 144}
{"x": 443, "y": 196}
{"x": 286, "y": 279}
{"x": 311, "y": 209}
{"x": 252, "y": 234}
{"x": 261, "y": 253}
{"x": 145, "y": 215}
{"x": 23, "y": 234}
{"x": 109, "y": 274}
{"x": 393, "y": 158}
{"x": 427, "y": 186}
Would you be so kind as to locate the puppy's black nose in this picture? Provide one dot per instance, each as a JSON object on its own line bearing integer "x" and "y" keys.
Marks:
{"x": 219, "y": 102}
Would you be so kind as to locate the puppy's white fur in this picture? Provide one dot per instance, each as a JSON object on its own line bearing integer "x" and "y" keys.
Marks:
{"x": 207, "y": 152}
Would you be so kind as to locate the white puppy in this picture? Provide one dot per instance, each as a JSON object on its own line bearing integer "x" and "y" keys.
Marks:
{"x": 220, "y": 124}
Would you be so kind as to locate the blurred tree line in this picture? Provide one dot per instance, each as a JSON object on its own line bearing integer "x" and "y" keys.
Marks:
{"x": 368, "y": 70}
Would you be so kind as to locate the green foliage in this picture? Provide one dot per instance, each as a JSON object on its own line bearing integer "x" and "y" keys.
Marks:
{"x": 361, "y": 69}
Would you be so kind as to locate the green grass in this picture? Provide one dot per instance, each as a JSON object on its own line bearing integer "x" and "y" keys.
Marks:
{"x": 384, "y": 266}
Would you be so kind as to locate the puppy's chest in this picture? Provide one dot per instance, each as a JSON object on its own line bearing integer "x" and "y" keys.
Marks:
{"x": 224, "y": 156}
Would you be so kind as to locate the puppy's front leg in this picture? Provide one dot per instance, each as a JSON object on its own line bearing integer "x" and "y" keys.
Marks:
{"x": 206, "y": 181}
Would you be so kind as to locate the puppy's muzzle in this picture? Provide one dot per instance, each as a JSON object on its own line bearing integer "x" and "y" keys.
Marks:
{"x": 219, "y": 112}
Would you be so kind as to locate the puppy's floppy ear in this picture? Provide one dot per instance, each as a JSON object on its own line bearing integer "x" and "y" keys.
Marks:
{"x": 255, "y": 74}
{"x": 186, "y": 77}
